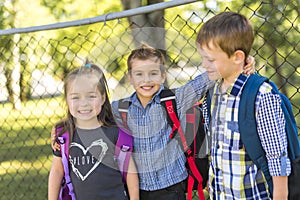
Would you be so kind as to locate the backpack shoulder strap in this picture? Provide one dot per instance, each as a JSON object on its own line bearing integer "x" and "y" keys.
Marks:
{"x": 167, "y": 96}
{"x": 246, "y": 118}
{"x": 123, "y": 150}
{"x": 168, "y": 101}
{"x": 64, "y": 150}
{"x": 123, "y": 110}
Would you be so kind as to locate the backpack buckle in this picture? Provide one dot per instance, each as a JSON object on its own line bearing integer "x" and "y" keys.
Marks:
{"x": 189, "y": 153}
{"x": 60, "y": 140}
{"x": 125, "y": 148}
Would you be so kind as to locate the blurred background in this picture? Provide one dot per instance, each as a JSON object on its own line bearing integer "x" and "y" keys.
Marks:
{"x": 42, "y": 40}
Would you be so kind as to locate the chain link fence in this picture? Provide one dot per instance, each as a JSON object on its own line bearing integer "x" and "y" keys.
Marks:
{"x": 33, "y": 65}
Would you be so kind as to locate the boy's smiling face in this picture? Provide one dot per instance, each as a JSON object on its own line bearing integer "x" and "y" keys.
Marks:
{"x": 146, "y": 77}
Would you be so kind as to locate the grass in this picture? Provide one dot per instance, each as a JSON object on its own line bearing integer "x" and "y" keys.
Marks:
{"x": 25, "y": 153}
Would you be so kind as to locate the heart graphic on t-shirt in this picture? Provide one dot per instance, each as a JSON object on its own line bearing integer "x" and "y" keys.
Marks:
{"x": 95, "y": 144}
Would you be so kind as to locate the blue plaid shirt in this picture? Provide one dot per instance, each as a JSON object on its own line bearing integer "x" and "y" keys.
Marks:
{"x": 160, "y": 161}
{"x": 232, "y": 173}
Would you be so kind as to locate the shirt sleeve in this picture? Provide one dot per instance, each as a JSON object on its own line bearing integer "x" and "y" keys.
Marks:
{"x": 271, "y": 130}
{"x": 188, "y": 94}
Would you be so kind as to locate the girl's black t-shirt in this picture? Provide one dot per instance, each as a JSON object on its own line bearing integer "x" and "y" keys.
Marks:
{"x": 93, "y": 169}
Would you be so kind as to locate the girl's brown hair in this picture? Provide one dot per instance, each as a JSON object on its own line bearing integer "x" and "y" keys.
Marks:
{"x": 105, "y": 116}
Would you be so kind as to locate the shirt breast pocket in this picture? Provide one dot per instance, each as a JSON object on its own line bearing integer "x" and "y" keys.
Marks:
{"x": 232, "y": 136}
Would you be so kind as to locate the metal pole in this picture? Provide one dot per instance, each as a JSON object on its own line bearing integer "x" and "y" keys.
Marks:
{"x": 102, "y": 18}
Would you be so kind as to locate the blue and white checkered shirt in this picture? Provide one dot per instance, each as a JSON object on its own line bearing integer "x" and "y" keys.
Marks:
{"x": 232, "y": 173}
{"x": 160, "y": 161}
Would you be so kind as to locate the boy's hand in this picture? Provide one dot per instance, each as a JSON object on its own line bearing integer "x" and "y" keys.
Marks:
{"x": 55, "y": 146}
{"x": 250, "y": 67}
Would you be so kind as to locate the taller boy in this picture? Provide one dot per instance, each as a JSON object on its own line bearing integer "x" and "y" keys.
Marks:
{"x": 224, "y": 42}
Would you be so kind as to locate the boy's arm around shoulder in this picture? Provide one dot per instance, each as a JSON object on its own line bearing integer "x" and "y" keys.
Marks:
{"x": 55, "y": 178}
{"x": 188, "y": 94}
{"x": 201, "y": 83}
{"x": 132, "y": 180}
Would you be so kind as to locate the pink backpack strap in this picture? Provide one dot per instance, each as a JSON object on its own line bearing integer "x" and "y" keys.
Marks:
{"x": 123, "y": 151}
{"x": 64, "y": 150}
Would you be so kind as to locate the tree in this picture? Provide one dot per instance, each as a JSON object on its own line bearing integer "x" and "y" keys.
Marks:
{"x": 11, "y": 49}
{"x": 154, "y": 36}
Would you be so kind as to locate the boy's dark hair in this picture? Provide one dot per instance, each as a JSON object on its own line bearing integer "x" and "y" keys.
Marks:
{"x": 229, "y": 30}
{"x": 146, "y": 52}
{"x": 105, "y": 116}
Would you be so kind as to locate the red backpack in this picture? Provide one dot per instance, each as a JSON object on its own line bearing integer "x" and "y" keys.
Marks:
{"x": 191, "y": 142}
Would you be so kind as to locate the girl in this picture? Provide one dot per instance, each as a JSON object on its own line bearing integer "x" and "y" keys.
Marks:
{"x": 93, "y": 134}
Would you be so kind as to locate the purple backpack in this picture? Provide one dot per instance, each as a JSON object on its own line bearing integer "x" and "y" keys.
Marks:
{"x": 123, "y": 151}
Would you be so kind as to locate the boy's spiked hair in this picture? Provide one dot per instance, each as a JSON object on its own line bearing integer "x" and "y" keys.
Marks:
{"x": 146, "y": 52}
{"x": 228, "y": 30}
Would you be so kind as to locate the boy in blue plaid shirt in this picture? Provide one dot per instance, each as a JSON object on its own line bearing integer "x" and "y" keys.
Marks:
{"x": 224, "y": 42}
{"x": 160, "y": 161}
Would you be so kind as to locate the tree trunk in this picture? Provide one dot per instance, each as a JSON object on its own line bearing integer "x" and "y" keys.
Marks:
{"x": 15, "y": 75}
{"x": 148, "y": 27}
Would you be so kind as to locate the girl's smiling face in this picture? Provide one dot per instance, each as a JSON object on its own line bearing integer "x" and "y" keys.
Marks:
{"x": 84, "y": 100}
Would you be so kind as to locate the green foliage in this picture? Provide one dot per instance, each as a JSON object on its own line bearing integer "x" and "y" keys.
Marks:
{"x": 25, "y": 152}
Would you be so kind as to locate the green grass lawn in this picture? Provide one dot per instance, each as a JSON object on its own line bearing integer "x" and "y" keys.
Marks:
{"x": 25, "y": 153}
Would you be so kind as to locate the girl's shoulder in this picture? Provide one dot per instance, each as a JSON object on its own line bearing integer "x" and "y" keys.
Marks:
{"x": 111, "y": 128}
{"x": 111, "y": 132}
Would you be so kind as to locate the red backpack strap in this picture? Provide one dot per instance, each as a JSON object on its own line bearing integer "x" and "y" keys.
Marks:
{"x": 64, "y": 150}
{"x": 123, "y": 151}
{"x": 169, "y": 104}
{"x": 169, "y": 95}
